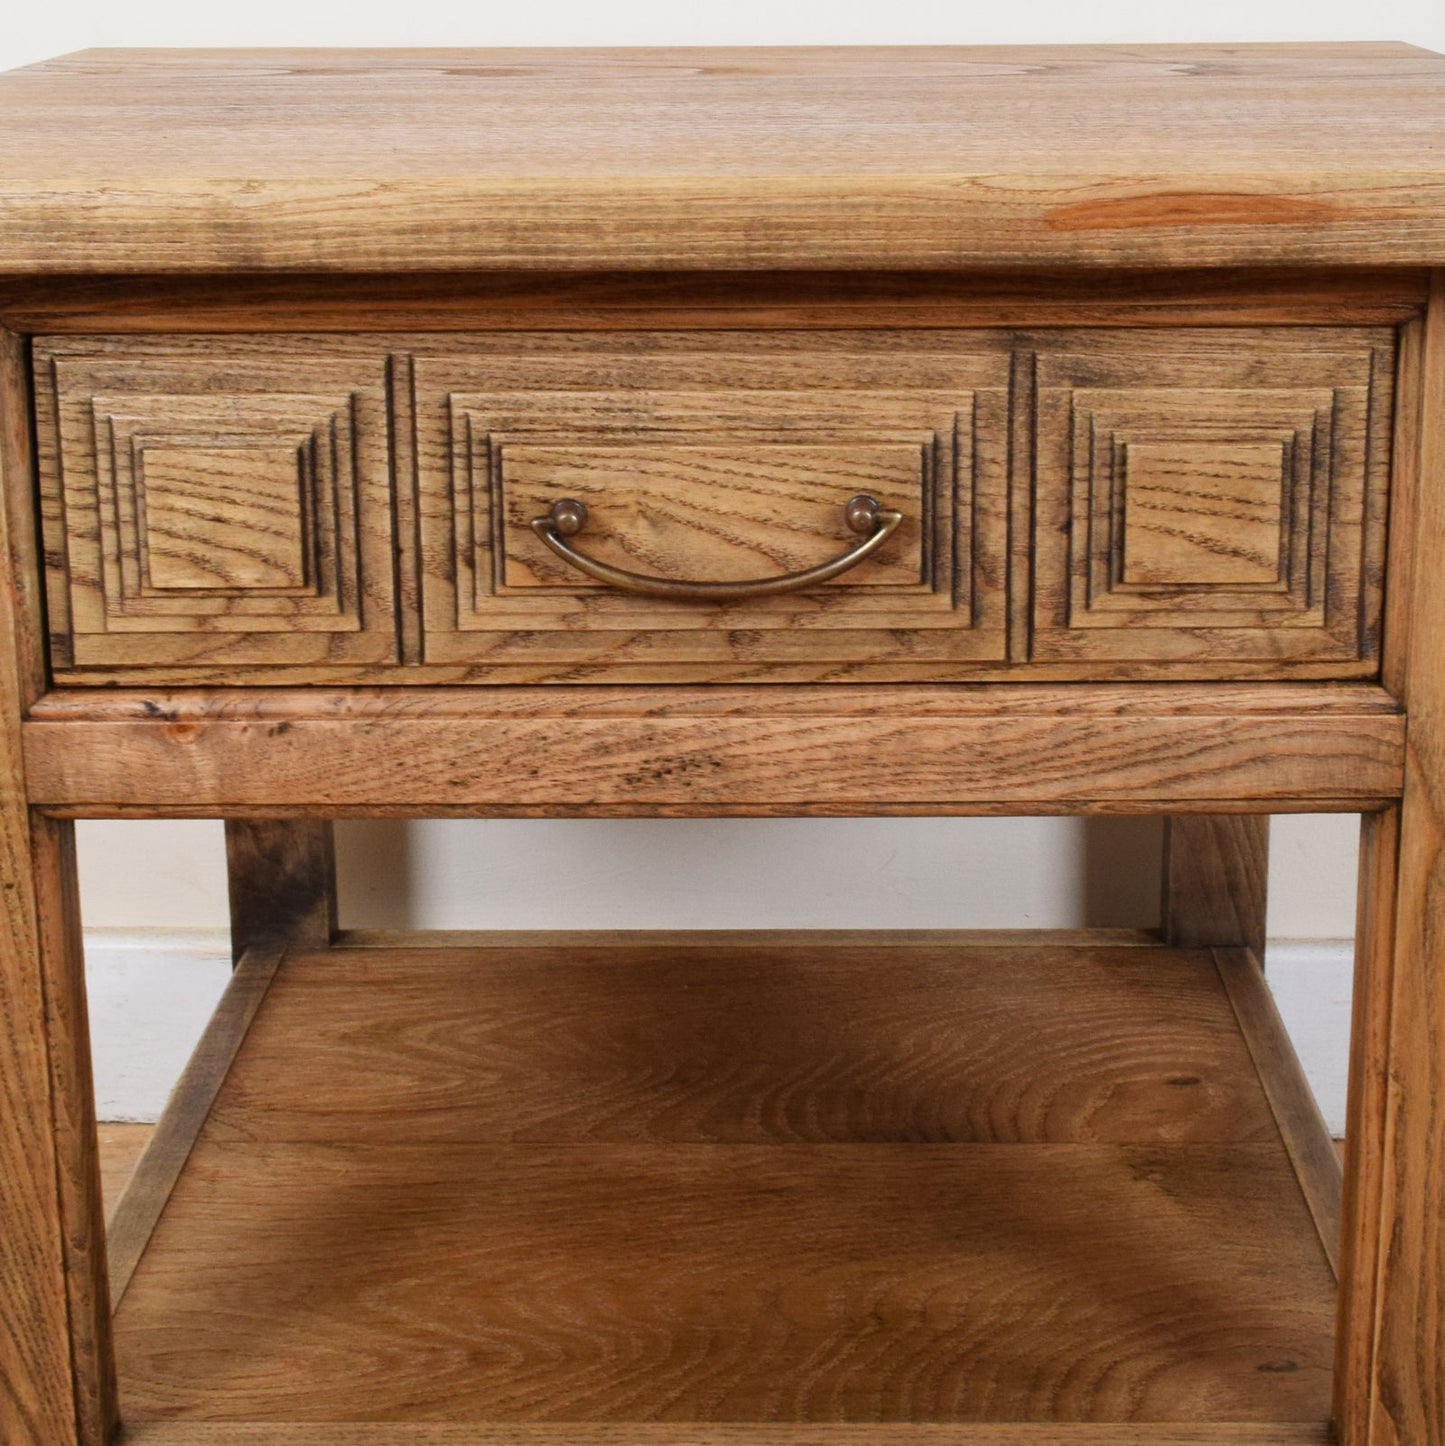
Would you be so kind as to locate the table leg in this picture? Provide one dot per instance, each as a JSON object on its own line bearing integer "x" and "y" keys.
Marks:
{"x": 57, "y": 1379}
{"x": 1216, "y": 873}
{"x": 43, "y": 1177}
{"x": 82, "y": 1211}
{"x": 1390, "y": 1375}
{"x": 282, "y": 876}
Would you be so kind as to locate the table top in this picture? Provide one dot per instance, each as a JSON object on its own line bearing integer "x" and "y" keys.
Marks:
{"x": 137, "y": 160}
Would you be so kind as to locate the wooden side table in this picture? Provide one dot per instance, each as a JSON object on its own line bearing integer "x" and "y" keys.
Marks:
{"x": 700, "y": 433}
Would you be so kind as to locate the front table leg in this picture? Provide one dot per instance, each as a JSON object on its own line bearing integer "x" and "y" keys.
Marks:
{"x": 57, "y": 1379}
{"x": 57, "y": 1384}
{"x": 1390, "y": 1374}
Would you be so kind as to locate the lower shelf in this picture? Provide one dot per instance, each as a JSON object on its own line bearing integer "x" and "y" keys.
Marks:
{"x": 722, "y": 1181}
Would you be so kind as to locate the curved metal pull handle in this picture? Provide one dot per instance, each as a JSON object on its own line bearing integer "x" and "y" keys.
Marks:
{"x": 568, "y": 517}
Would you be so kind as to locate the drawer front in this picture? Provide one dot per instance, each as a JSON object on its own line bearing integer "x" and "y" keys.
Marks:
{"x": 712, "y": 459}
{"x": 1093, "y": 504}
{"x": 215, "y": 506}
{"x": 1200, "y": 502}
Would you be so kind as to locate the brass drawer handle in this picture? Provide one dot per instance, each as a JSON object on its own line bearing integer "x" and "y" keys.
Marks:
{"x": 568, "y": 517}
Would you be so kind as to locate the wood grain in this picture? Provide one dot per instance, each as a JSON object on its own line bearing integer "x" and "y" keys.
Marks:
{"x": 247, "y": 478}
{"x": 1370, "y": 1200}
{"x": 727, "y": 510}
{"x": 1216, "y": 881}
{"x": 918, "y": 1282}
{"x": 687, "y": 301}
{"x": 399, "y": 1433}
{"x": 793, "y": 1040}
{"x": 209, "y": 505}
{"x": 38, "y": 1400}
{"x": 121, "y": 1145}
{"x": 134, "y": 1219}
{"x": 1201, "y": 505}
{"x": 1407, "y": 1389}
{"x": 62, "y": 962}
{"x": 707, "y": 764}
{"x": 185, "y": 483}
{"x": 846, "y": 157}
{"x": 266, "y": 706}
{"x": 1363, "y": 1238}
{"x": 762, "y": 938}
{"x": 1301, "y": 1125}
{"x": 281, "y": 880}
{"x": 1201, "y": 513}
{"x": 707, "y": 456}
{"x": 824, "y": 1263}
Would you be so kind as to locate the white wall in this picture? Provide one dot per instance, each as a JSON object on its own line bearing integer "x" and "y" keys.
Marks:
{"x": 33, "y": 32}
{"x": 722, "y": 873}
{"x": 804, "y": 873}
{"x": 154, "y": 896}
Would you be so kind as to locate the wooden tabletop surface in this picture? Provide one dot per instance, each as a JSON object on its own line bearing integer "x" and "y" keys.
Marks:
{"x": 361, "y": 160}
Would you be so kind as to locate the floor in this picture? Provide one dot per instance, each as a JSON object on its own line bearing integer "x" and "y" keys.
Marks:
{"x": 120, "y": 1148}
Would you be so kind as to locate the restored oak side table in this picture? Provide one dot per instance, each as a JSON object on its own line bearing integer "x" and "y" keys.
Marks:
{"x": 700, "y": 433}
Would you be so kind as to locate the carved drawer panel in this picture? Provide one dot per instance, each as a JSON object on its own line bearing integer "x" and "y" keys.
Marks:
{"x": 1207, "y": 500}
{"x": 721, "y": 459}
{"x": 521, "y": 507}
{"x": 214, "y": 505}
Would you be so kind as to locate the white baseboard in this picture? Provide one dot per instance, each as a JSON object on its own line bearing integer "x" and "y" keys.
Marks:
{"x": 1312, "y": 980}
{"x": 152, "y": 992}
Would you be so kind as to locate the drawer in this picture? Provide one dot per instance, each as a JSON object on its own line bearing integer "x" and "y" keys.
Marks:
{"x": 215, "y": 505}
{"x": 1206, "y": 501}
{"x": 639, "y": 507}
{"x": 719, "y": 459}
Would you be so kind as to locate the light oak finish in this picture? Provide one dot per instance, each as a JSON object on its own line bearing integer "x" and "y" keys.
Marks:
{"x": 826, "y": 1038}
{"x": 846, "y": 1156}
{"x": 1377, "y": 1067}
{"x": 281, "y": 878}
{"x": 205, "y": 507}
{"x": 713, "y": 459}
{"x": 1200, "y": 504}
{"x": 858, "y": 158}
{"x": 1216, "y": 877}
{"x": 1362, "y": 1228}
{"x": 1147, "y": 345}
{"x": 121, "y": 1145}
{"x": 1401, "y": 1271}
{"x": 266, "y": 707}
{"x": 1282, "y": 1433}
{"x": 763, "y": 938}
{"x": 134, "y": 1219}
{"x": 1301, "y": 1125}
{"x": 728, "y": 764}
{"x": 46, "y": 1360}
{"x": 82, "y": 1212}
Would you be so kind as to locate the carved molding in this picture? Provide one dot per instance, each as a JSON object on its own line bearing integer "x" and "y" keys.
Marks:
{"x": 1218, "y": 515}
{"x": 728, "y": 480}
{"x": 217, "y": 507}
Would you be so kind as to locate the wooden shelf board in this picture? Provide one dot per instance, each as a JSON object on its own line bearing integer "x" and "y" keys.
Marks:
{"x": 392, "y": 1433}
{"x": 540, "y": 1189}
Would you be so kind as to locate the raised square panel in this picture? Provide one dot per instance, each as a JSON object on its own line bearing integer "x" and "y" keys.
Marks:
{"x": 721, "y": 512}
{"x": 1203, "y": 513}
{"x": 1212, "y": 504}
{"x": 210, "y": 505}
{"x": 223, "y": 518}
{"x": 714, "y": 458}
